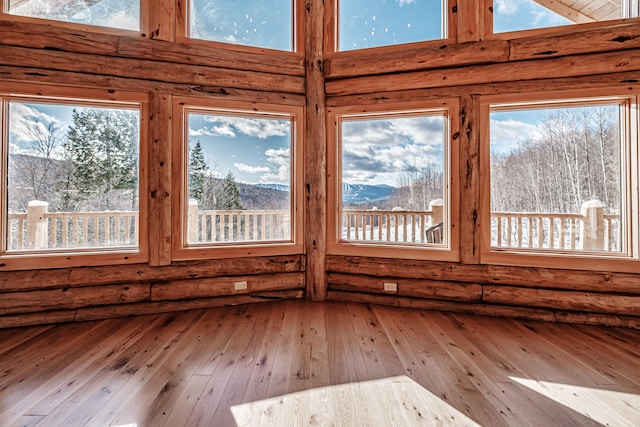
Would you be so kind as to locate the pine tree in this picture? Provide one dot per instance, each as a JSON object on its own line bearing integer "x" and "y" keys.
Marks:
{"x": 103, "y": 148}
{"x": 197, "y": 172}
{"x": 229, "y": 194}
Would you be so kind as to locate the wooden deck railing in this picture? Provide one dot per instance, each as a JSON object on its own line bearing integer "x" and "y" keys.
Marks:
{"x": 217, "y": 226}
{"x": 590, "y": 229}
{"x": 36, "y": 229}
{"x": 400, "y": 226}
{"x": 39, "y": 229}
{"x": 555, "y": 231}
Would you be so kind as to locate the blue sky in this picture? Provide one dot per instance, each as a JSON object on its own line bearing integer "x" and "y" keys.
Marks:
{"x": 256, "y": 150}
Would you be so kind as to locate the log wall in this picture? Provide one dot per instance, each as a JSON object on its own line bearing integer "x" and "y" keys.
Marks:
{"x": 467, "y": 65}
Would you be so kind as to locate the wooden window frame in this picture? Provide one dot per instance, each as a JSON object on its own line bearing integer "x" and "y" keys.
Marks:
{"x": 331, "y": 7}
{"x": 567, "y": 259}
{"x": 181, "y": 250}
{"x": 488, "y": 18}
{"x": 81, "y": 257}
{"x": 297, "y": 32}
{"x": 450, "y": 251}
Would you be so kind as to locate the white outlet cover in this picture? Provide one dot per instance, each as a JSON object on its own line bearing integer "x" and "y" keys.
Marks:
{"x": 240, "y": 286}
{"x": 390, "y": 287}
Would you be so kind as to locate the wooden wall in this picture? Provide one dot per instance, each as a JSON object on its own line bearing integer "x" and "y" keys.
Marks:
{"x": 603, "y": 55}
{"x": 467, "y": 66}
{"x": 35, "y": 52}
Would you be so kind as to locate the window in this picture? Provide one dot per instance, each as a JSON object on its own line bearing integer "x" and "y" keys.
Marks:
{"x": 366, "y": 23}
{"x": 72, "y": 173}
{"x": 240, "y": 169}
{"x": 514, "y": 15}
{"x": 560, "y": 174}
{"x": 265, "y": 24}
{"x": 394, "y": 184}
{"x": 122, "y": 14}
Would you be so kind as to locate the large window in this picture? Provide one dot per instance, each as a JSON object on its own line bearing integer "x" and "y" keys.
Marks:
{"x": 123, "y": 14}
{"x": 372, "y": 23}
{"x": 266, "y": 24}
{"x": 514, "y": 15}
{"x": 560, "y": 174}
{"x": 239, "y": 181}
{"x": 72, "y": 174}
{"x": 394, "y": 184}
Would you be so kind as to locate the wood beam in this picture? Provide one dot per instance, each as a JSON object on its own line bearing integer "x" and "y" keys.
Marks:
{"x": 315, "y": 153}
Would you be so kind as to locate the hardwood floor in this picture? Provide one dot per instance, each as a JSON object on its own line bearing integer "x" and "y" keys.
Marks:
{"x": 302, "y": 363}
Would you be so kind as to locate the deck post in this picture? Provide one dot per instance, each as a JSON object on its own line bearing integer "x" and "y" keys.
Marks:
{"x": 37, "y": 225}
{"x": 192, "y": 221}
{"x": 592, "y": 229}
{"x": 437, "y": 207}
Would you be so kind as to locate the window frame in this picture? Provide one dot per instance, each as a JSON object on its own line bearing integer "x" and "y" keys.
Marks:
{"x": 181, "y": 249}
{"x": 551, "y": 258}
{"x": 332, "y": 20}
{"x": 436, "y": 252}
{"x": 55, "y": 258}
{"x": 142, "y": 25}
{"x": 532, "y": 32}
{"x": 297, "y": 32}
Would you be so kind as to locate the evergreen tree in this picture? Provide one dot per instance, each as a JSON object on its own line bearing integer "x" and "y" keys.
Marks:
{"x": 197, "y": 172}
{"x": 229, "y": 194}
{"x": 103, "y": 148}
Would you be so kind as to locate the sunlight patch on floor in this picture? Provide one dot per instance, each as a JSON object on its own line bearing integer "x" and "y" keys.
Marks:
{"x": 619, "y": 410}
{"x": 387, "y": 401}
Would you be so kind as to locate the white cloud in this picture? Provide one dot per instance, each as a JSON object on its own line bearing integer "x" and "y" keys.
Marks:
{"x": 506, "y": 7}
{"x": 124, "y": 20}
{"x": 26, "y": 121}
{"x": 251, "y": 169}
{"x": 254, "y": 127}
{"x": 403, "y": 2}
{"x": 280, "y": 158}
{"x": 509, "y": 134}
{"x": 381, "y": 151}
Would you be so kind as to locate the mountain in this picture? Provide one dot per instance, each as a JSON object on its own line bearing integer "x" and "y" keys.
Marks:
{"x": 274, "y": 196}
{"x": 264, "y": 196}
{"x": 279, "y": 187}
{"x": 355, "y": 194}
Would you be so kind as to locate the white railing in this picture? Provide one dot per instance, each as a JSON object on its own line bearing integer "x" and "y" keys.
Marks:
{"x": 396, "y": 225}
{"x": 39, "y": 229}
{"x": 590, "y": 229}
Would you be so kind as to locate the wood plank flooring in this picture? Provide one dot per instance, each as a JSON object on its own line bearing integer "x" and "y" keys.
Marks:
{"x": 298, "y": 363}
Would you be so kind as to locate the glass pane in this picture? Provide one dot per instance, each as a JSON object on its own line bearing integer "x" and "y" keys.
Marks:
{"x": 239, "y": 179}
{"x": 393, "y": 179}
{"x": 372, "y": 23}
{"x": 556, "y": 179}
{"x": 124, "y": 14}
{"x": 514, "y": 15}
{"x": 73, "y": 177}
{"x": 267, "y": 24}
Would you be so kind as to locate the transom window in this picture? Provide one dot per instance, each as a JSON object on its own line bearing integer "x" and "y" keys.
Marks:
{"x": 240, "y": 177}
{"x": 266, "y": 24}
{"x": 559, "y": 174}
{"x": 515, "y": 15}
{"x": 366, "y": 23}
{"x": 72, "y": 174}
{"x": 394, "y": 184}
{"x": 122, "y": 14}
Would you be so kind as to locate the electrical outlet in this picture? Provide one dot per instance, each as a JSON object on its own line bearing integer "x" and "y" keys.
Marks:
{"x": 240, "y": 286}
{"x": 390, "y": 287}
